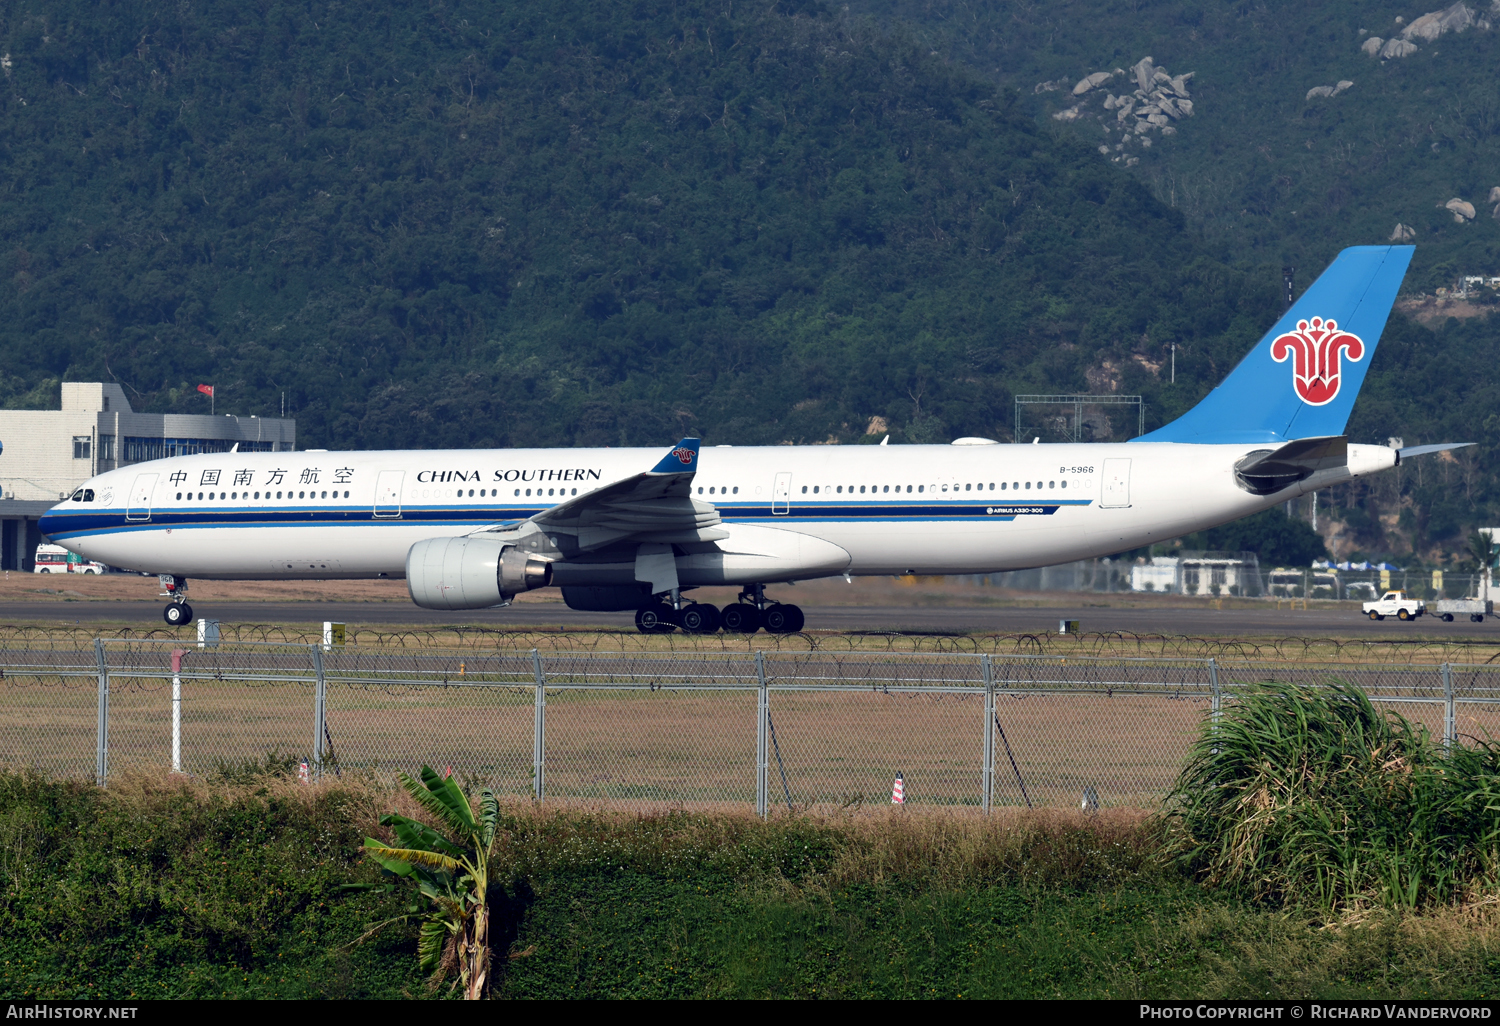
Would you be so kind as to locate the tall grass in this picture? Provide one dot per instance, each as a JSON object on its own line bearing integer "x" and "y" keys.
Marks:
{"x": 1311, "y": 795}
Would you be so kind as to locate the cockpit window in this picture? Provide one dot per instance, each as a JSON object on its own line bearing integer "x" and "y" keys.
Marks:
{"x": 83, "y": 495}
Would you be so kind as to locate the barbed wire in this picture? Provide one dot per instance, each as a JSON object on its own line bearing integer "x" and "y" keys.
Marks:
{"x": 1291, "y": 648}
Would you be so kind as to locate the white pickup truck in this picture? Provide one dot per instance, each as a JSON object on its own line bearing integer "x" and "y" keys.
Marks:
{"x": 1397, "y": 604}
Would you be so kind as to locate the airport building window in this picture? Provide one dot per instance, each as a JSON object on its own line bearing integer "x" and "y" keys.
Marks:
{"x": 83, "y": 447}
{"x": 139, "y": 450}
{"x": 106, "y": 442}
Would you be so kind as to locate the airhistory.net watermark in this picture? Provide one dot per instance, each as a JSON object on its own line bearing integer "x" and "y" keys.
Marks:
{"x": 68, "y": 1011}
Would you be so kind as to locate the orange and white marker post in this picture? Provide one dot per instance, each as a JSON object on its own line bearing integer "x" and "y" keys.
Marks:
{"x": 304, "y": 775}
{"x": 898, "y": 791}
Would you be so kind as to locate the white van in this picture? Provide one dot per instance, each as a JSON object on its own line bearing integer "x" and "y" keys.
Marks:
{"x": 54, "y": 559}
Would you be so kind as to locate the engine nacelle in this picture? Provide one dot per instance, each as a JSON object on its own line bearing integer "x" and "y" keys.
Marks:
{"x": 471, "y": 573}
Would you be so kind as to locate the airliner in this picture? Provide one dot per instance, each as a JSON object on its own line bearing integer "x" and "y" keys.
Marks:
{"x": 637, "y": 529}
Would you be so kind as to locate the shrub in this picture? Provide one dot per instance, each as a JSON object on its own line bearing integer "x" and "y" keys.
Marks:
{"x": 1310, "y": 795}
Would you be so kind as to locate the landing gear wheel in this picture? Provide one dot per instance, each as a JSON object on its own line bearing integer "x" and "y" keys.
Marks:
{"x": 699, "y": 618}
{"x": 654, "y": 620}
{"x": 740, "y": 618}
{"x": 795, "y": 612}
{"x": 1375, "y": 616}
{"x": 1402, "y": 614}
{"x": 177, "y": 614}
{"x": 781, "y": 619}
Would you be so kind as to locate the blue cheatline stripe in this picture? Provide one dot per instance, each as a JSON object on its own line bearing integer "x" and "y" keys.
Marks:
{"x": 83, "y": 524}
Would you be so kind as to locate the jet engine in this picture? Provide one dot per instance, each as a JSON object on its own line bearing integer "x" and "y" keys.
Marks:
{"x": 471, "y": 573}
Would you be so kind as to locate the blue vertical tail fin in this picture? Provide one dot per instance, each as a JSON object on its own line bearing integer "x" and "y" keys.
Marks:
{"x": 1301, "y": 379}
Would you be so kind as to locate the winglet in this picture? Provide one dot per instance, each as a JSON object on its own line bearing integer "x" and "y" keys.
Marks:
{"x": 683, "y": 459}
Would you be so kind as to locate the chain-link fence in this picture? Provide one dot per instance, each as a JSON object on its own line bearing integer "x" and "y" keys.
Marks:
{"x": 799, "y": 729}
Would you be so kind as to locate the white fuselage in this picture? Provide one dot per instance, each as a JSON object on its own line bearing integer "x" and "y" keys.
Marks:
{"x": 926, "y": 509}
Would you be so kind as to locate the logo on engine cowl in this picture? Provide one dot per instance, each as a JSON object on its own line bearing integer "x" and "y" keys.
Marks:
{"x": 684, "y": 456}
{"x": 1316, "y": 349}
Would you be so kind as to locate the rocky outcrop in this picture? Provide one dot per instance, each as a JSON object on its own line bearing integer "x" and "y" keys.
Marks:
{"x": 1462, "y": 212}
{"x": 1403, "y": 233}
{"x": 1098, "y": 78}
{"x": 1458, "y": 18}
{"x": 1333, "y": 90}
{"x": 1159, "y": 100}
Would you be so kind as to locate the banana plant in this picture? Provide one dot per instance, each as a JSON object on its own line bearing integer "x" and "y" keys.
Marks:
{"x": 451, "y": 869}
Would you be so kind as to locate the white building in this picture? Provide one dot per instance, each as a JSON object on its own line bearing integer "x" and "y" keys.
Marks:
{"x": 46, "y": 454}
{"x": 1199, "y": 573}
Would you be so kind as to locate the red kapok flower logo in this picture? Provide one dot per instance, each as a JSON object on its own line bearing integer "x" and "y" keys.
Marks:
{"x": 1315, "y": 349}
{"x": 684, "y": 456}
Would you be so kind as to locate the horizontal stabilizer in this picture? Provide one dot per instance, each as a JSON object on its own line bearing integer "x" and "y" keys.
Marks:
{"x": 1270, "y": 470}
{"x": 1423, "y": 450}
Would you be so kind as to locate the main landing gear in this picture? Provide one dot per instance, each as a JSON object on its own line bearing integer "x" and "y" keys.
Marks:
{"x": 177, "y": 612}
{"x": 746, "y": 616}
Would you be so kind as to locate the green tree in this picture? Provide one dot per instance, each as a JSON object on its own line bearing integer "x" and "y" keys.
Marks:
{"x": 451, "y": 871}
{"x": 1275, "y": 538}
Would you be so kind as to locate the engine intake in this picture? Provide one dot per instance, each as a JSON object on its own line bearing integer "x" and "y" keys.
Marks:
{"x": 471, "y": 573}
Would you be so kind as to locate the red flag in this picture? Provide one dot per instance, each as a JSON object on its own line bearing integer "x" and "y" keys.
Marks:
{"x": 207, "y": 390}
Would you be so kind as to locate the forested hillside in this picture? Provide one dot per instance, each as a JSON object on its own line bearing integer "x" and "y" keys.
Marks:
{"x": 593, "y": 223}
{"x": 1267, "y": 171}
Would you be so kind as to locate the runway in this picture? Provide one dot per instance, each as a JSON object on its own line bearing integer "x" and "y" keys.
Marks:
{"x": 1251, "y": 622}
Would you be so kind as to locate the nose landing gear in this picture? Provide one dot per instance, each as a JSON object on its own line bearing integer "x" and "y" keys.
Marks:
{"x": 177, "y": 612}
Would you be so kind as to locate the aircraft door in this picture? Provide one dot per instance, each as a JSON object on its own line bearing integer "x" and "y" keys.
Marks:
{"x": 388, "y": 493}
{"x": 781, "y": 495}
{"x": 1116, "y": 484}
{"x": 139, "y": 507}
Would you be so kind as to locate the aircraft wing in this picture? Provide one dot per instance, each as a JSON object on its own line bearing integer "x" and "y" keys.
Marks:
{"x": 654, "y": 506}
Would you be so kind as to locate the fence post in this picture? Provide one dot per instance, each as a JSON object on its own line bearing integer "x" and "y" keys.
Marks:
{"x": 101, "y": 743}
{"x": 320, "y": 698}
{"x": 539, "y": 734}
{"x": 1216, "y": 699}
{"x": 762, "y": 760}
{"x": 1450, "y": 711}
{"x": 989, "y": 731}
